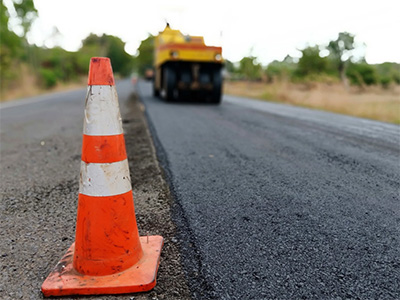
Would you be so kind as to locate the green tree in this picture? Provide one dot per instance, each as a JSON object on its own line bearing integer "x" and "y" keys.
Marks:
{"x": 280, "y": 69}
{"x": 56, "y": 65}
{"x": 26, "y": 13}
{"x": 91, "y": 46}
{"x": 11, "y": 48}
{"x": 145, "y": 57}
{"x": 229, "y": 66}
{"x": 311, "y": 63}
{"x": 9, "y": 39}
{"x": 340, "y": 51}
{"x": 109, "y": 46}
{"x": 388, "y": 72}
{"x": 250, "y": 68}
{"x": 362, "y": 74}
{"x": 121, "y": 61}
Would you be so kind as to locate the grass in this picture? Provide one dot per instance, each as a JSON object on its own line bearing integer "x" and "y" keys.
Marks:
{"x": 373, "y": 103}
{"x": 27, "y": 86}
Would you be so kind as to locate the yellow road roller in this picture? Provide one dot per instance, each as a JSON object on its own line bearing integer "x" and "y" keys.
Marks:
{"x": 186, "y": 68}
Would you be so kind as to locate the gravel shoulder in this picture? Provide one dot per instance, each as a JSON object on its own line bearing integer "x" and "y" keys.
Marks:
{"x": 39, "y": 189}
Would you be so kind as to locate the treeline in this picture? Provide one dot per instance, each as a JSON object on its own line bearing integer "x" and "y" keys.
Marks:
{"x": 330, "y": 63}
{"x": 55, "y": 65}
{"x": 334, "y": 62}
{"x": 58, "y": 65}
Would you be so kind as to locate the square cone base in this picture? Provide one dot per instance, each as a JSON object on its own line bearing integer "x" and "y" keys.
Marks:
{"x": 141, "y": 277}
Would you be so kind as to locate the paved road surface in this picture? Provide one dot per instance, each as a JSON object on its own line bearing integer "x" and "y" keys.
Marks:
{"x": 277, "y": 202}
{"x": 271, "y": 201}
{"x": 41, "y": 140}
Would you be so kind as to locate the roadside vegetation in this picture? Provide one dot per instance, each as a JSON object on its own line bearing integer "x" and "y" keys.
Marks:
{"x": 329, "y": 77}
{"x": 27, "y": 69}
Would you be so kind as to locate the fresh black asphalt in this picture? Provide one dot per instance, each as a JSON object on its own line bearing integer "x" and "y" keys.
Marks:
{"x": 271, "y": 201}
{"x": 278, "y": 202}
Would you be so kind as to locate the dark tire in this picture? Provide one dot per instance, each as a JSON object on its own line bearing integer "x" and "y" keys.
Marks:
{"x": 216, "y": 94}
{"x": 185, "y": 78}
{"x": 169, "y": 83}
{"x": 156, "y": 93}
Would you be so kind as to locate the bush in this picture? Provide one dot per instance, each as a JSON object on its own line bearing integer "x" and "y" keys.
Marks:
{"x": 362, "y": 73}
{"x": 388, "y": 72}
{"x": 311, "y": 63}
{"x": 385, "y": 81}
{"x": 48, "y": 77}
{"x": 396, "y": 78}
{"x": 250, "y": 68}
{"x": 280, "y": 70}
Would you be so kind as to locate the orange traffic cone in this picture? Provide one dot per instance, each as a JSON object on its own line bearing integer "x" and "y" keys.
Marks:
{"x": 108, "y": 256}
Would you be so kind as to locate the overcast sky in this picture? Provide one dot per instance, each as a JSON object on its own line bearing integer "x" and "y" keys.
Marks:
{"x": 267, "y": 29}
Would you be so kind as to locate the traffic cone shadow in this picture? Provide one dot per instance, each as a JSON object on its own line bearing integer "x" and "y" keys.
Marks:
{"x": 108, "y": 256}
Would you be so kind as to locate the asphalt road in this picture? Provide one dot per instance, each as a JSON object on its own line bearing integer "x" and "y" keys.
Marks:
{"x": 278, "y": 202}
{"x": 40, "y": 147}
{"x": 270, "y": 201}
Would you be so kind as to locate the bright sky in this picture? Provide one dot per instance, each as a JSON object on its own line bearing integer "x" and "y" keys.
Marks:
{"x": 267, "y": 29}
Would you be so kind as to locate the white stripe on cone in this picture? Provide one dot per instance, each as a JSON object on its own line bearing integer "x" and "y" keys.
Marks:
{"x": 106, "y": 179}
{"x": 102, "y": 116}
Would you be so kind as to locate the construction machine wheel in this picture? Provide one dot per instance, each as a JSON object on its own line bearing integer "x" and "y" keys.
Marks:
{"x": 184, "y": 80}
{"x": 205, "y": 79}
{"x": 169, "y": 83}
{"x": 156, "y": 92}
{"x": 216, "y": 93}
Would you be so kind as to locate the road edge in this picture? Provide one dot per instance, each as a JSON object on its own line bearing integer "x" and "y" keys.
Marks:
{"x": 191, "y": 256}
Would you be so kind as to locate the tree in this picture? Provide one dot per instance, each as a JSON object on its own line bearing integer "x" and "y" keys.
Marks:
{"x": 11, "y": 49}
{"x": 280, "y": 69}
{"x": 340, "y": 51}
{"x": 109, "y": 46}
{"x": 145, "y": 57}
{"x": 362, "y": 74}
{"x": 250, "y": 68}
{"x": 121, "y": 61}
{"x": 229, "y": 66}
{"x": 9, "y": 39}
{"x": 389, "y": 72}
{"x": 311, "y": 62}
{"x": 14, "y": 48}
{"x": 26, "y": 13}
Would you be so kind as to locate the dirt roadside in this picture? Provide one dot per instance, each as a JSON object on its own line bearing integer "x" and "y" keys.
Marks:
{"x": 372, "y": 102}
{"x": 38, "y": 203}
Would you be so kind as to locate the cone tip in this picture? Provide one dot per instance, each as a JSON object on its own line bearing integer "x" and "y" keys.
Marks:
{"x": 100, "y": 71}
